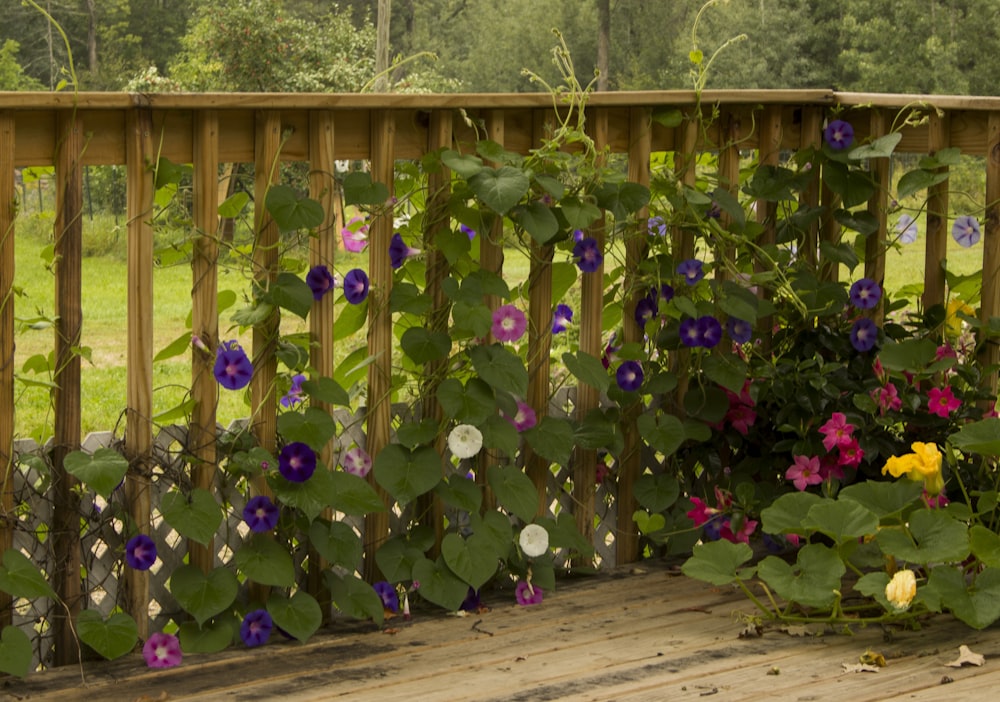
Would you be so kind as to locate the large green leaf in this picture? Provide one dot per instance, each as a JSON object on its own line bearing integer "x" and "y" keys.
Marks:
{"x": 884, "y": 498}
{"x": 878, "y": 148}
{"x": 981, "y": 437}
{"x": 211, "y": 637}
{"x": 500, "y": 189}
{"x": 719, "y": 562}
{"x": 265, "y": 561}
{"x": 563, "y": 533}
{"x": 360, "y": 190}
{"x": 930, "y": 536}
{"x": 355, "y": 598}
{"x": 909, "y": 355}
{"x": 336, "y": 542}
{"x": 537, "y": 219}
{"x": 310, "y": 497}
{"x": 327, "y": 390}
{"x": 196, "y": 516}
{"x": 656, "y": 492}
{"x": 913, "y": 182}
{"x": 423, "y": 345}
{"x": 785, "y": 514}
{"x": 102, "y": 472}
{"x": 407, "y": 474}
{"x": 470, "y": 558}
{"x": 353, "y": 495}
{"x": 552, "y": 439}
{"x": 439, "y": 585}
{"x": 395, "y": 558}
{"x": 300, "y": 615}
{"x": 291, "y": 293}
{"x": 854, "y": 187}
{"x": 814, "y": 579}
{"x": 203, "y": 596}
{"x": 587, "y": 369}
{"x": 501, "y": 368}
{"x": 664, "y": 432}
{"x": 727, "y": 370}
{"x": 471, "y": 403}
{"x": 312, "y": 426}
{"x": 500, "y": 434}
{"x": 292, "y": 211}
{"x": 622, "y": 199}
{"x": 465, "y": 165}
{"x": 460, "y": 492}
{"x": 977, "y": 604}
{"x": 841, "y": 520}
{"x": 985, "y": 545}
{"x": 15, "y": 652}
{"x": 514, "y": 490}
{"x": 497, "y": 530}
{"x": 112, "y": 638}
{"x": 20, "y": 578}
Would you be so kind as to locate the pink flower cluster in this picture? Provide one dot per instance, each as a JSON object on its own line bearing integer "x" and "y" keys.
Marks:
{"x": 741, "y": 415}
{"x": 843, "y": 451}
{"x": 718, "y": 525}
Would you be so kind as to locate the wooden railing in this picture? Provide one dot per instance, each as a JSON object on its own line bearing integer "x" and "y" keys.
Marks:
{"x": 71, "y": 131}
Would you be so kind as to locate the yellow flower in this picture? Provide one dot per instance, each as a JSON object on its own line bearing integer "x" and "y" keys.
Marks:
{"x": 923, "y": 464}
{"x": 901, "y": 589}
{"x": 952, "y": 322}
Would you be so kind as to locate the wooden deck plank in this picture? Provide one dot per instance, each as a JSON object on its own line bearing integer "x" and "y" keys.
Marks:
{"x": 644, "y": 635}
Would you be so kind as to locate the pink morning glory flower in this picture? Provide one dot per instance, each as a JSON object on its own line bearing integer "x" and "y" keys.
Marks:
{"x": 509, "y": 323}
{"x": 702, "y": 512}
{"x": 162, "y": 651}
{"x": 355, "y": 236}
{"x": 356, "y": 461}
{"x": 525, "y": 417}
{"x": 805, "y": 471}
{"x": 942, "y": 402}
{"x": 527, "y": 594}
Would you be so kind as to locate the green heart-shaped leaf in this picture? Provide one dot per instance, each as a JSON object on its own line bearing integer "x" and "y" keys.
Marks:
{"x": 265, "y": 561}
{"x": 470, "y": 559}
{"x": 514, "y": 490}
{"x": 292, "y": 211}
{"x": 395, "y": 558}
{"x": 360, "y": 190}
{"x": 313, "y": 427}
{"x": 500, "y": 189}
{"x": 407, "y": 474}
{"x": 337, "y": 543}
{"x": 718, "y": 562}
{"x": 203, "y": 596}
{"x": 501, "y": 368}
{"x": 812, "y": 581}
{"x": 211, "y": 637}
{"x": 353, "y": 495}
{"x": 112, "y": 638}
{"x": 841, "y": 520}
{"x": 15, "y": 652}
{"x": 300, "y": 615}
{"x": 102, "y": 472}
{"x": 930, "y": 536}
{"x": 978, "y": 605}
{"x": 197, "y": 517}
{"x": 656, "y": 492}
{"x": 552, "y": 439}
{"x": 20, "y": 578}
{"x": 355, "y": 598}
{"x": 439, "y": 585}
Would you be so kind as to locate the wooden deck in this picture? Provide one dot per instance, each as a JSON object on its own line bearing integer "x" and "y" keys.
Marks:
{"x": 646, "y": 633}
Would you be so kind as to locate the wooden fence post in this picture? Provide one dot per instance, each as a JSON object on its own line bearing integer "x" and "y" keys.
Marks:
{"x": 936, "y": 247}
{"x": 7, "y": 209}
{"x": 139, "y": 400}
{"x": 380, "y": 339}
{"x": 68, "y": 232}
{"x": 812, "y": 128}
{"x": 682, "y": 243}
{"x": 729, "y": 178}
{"x": 769, "y": 153}
{"x": 878, "y": 208}
{"x": 204, "y": 316}
{"x": 990, "y": 351}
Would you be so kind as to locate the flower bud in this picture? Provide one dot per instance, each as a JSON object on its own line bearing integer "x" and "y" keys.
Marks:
{"x": 901, "y": 589}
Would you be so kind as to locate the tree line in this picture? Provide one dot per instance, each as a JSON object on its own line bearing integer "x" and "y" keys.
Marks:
{"x": 903, "y": 46}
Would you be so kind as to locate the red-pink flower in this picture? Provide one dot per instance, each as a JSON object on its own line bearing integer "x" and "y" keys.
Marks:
{"x": 525, "y": 417}
{"x": 830, "y": 467}
{"x": 701, "y": 512}
{"x": 887, "y": 398}
{"x": 942, "y": 402}
{"x": 851, "y": 455}
{"x": 727, "y": 533}
{"x": 509, "y": 323}
{"x": 804, "y": 472}
{"x": 836, "y": 432}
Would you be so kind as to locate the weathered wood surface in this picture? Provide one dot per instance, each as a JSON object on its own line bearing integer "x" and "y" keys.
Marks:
{"x": 631, "y": 635}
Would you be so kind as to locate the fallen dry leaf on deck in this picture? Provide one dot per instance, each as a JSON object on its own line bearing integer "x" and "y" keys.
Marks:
{"x": 800, "y": 630}
{"x": 859, "y": 668}
{"x": 966, "y": 656}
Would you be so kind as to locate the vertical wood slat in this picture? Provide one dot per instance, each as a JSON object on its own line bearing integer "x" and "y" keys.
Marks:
{"x": 936, "y": 247}
{"x": 640, "y": 145}
{"x": 322, "y": 251}
{"x": 204, "y": 315}
{"x": 990, "y": 304}
{"x": 7, "y": 210}
{"x": 590, "y": 316}
{"x": 536, "y": 467}
{"x": 812, "y": 128}
{"x": 139, "y": 396}
{"x": 429, "y": 506}
{"x": 875, "y": 245}
{"x": 68, "y": 251}
{"x": 380, "y": 338}
{"x": 769, "y": 154}
{"x": 682, "y": 243}
{"x": 729, "y": 177}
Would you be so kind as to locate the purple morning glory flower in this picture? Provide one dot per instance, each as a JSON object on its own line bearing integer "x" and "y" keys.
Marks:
{"x": 320, "y": 281}
{"x": 527, "y": 595}
{"x": 471, "y": 603}
{"x": 232, "y": 367}
{"x": 838, "y": 134}
{"x": 709, "y": 331}
{"x": 356, "y": 286}
{"x": 578, "y": 235}
{"x": 864, "y": 334}
{"x": 907, "y": 229}
{"x": 140, "y": 552}
{"x": 714, "y": 211}
{"x": 561, "y": 318}
{"x": 629, "y": 376}
{"x": 356, "y": 461}
{"x": 390, "y": 599}
{"x": 588, "y": 255}
{"x": 645, "y": 309}
{"x": 865, "y": 294}
{"x": 739, "y": 330}
{"x": 656, "y": 226}
{"x": 294, "y": 395}
{"x": 260, "y": 514}
{"x": 690, "y": 336}
{"x": 666, "y": 292}
{"x": 297, "y": 462}
{"x": 256, "y": 627}
{"x": 468, "y": 231}
{"x": 966, "y": 231}
{"x": 399, "y": 251}
{"x": 692, "y": 270}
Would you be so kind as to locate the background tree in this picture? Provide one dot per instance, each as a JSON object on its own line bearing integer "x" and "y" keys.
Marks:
{"x": 12, "y": 76}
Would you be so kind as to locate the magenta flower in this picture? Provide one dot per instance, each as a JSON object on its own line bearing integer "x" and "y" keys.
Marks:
{"x": 297, "y": 462}
{"x": 162, "y": 651}
{"x": 804, "y": 472}
{"x": 525, "y": 418}
{"x": 399, "y": 251}
{"x": 739, "y": 331}
{"x": 864, "y": 334}
{"x": 743, "y": 535}
{"x": 320, "y": 281}
{"x": 850, "y": 455}
{"x": 836, "y": 432}
{"x": 610, "y": 352}
{"x": 356, "y": 461}
{"x": 865, "y": 294}
{"x": 256, "y": 627}
{"x": 356, "y": 286}
{"x": 387, "y": 593}
{"x": 966, "y": 231}
{"x": 509, "y": 323}
{"x": 294, "y": 394}
{"x": 942, "y": 402}
{"x": 906, "y": 227}
{"x": 692, "y": 270}
{"x": 232, "y": 368}
{"x": 260, "y": 514}
{"x": 839, "y": 134}
{"x": 701, "y": 513}
{"x": 527, "y": 595}
{"x": 887, "y": 398}
{"x": 741, "y": 418}
{"x": 140, "y": 552}
{"x": 588, "y": 254}
{"x": 629, "y": 376}
{"x": 355, "y": 238}
{"x": 561, "y": 318}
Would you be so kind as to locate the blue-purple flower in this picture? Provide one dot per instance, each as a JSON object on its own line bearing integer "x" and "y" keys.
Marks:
{"x": 399, "y": 251}
{"x": 578, "y": 235}
{"x": 838, "y": 134}
{"x": 864, "y": 334}
{"x": 588, "y": 254}
{"x": 865, "y": 293}
{"x": 140, "y": 552}
{"x": 966, "y": 231}
{"x": 656, "y": 226}
{"x": 260, "y": 514}
{"x": 472, "y": 602}
{"x": 356, "y": 286}
{"x": 294, "y": 394}
{"x": 709, "y": 331}
{"x": 256, "y": 627}
{"x": 297, "y": 462}
{"x": 645, "y": 309}
{"x": 232, "y": 367}
{"x": 692, "y": 270}
{"x": 561, "y": 318}
{"x": 689, "y": 334}
{"x": 666, "y": 292}
{"x": 739, "y": 330}
{"x": 468, "y": 231}
{"x": 320, "y": 281}
{"x": 629, "y": 376}
{"x": 906, "y": 227}
{"x": 387, "y": 593}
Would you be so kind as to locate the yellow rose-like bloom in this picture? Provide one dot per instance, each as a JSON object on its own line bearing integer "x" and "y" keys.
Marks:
{"x": 901, "y": 589}
{"x": 923, "y": 464}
